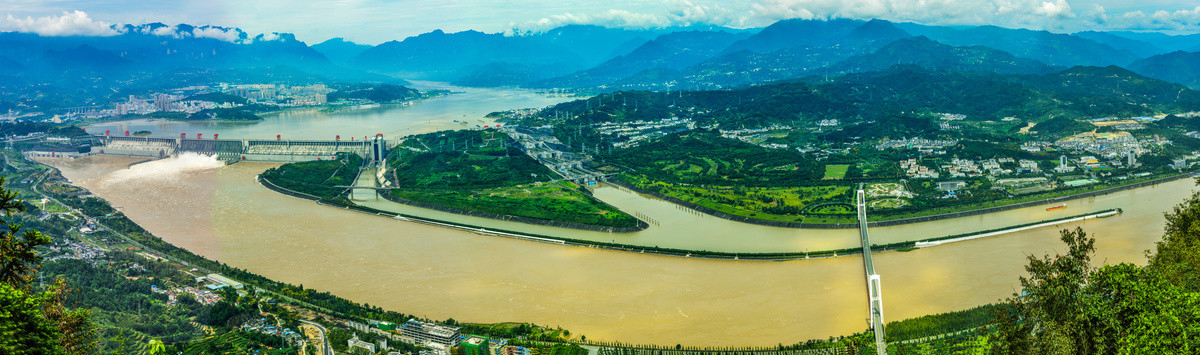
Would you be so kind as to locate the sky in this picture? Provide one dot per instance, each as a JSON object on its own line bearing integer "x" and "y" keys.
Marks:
{"x": 376, "y": 21}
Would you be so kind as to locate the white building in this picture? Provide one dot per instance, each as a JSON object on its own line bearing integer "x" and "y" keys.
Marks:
{"x": 430, "y": 334}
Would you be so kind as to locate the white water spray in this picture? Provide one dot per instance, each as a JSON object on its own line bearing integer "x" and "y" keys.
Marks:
{"x": 165, "y": 169}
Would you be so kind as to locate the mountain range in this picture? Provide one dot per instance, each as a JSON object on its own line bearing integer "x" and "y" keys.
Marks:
{"x": 575, "y": 57}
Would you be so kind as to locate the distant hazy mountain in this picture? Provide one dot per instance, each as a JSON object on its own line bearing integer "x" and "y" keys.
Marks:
{"x": 339, "y": 50}
{"x": 1050, "y": 48}
{"x": 48, "y": 72}
{"x": 670, "y": 51}
{"x": 926, "y": 53}
{"x": 1179, "y": 66}
{"x": 595, "y": 44}
{"x": 796, "y": 33}
{"x": 500, "y": 74}
{"x": 158, "y": 47}
{"x": 463, "y": 55}
{"x": 445, "y": 56}
{"x": 784, "y": 50}
{"x": 1140, "y": 48}
{"x": 1168, "y": 43}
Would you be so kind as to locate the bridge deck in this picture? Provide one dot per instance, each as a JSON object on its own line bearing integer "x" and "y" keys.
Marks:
{"x": 874, "y": 289}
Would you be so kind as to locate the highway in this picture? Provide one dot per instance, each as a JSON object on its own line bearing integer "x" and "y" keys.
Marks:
{"x": 874, "y": 289}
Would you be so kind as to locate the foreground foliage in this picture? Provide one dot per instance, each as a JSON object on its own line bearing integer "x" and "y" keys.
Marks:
{"x": 34, "y": 321}
{"x": 1067, "y": 306}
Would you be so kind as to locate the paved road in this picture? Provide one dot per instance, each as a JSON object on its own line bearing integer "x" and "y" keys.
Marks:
{"x": 874, "y": 290}
{"x": 326, "y": 348}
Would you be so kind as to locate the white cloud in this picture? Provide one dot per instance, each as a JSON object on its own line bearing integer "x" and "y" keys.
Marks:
{"x": 1059, "y": 9}
{"x": 224, "y": 34}
{"x": 166, "y": 31}
{"x": 76, "y": 23}
{"x": 1161, "y": 20}
{"x": 678, "y": 13}
{"x": 267, "y": 37}
{"x": 1009, "y": 13}
{"x": 1034, "y": 14}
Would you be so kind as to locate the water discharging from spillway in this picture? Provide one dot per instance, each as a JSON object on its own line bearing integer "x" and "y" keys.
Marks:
{"x": 172, "y": 168}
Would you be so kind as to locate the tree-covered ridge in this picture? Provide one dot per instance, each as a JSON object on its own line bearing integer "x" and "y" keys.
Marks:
{"x": 926, "y": 53}
{"x": 381, "y": 93}
{"x": 464, "y": 159}
{"x": 1076, "y": 93}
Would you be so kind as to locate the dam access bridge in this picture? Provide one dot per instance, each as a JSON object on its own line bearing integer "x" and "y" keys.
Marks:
{"x": 874, "y": 289}
{"x": 234, "y": 150}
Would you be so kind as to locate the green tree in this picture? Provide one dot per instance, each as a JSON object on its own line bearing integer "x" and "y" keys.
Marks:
{"x": 18, "y": 248}
{"x": 156, "y": 347}
{"x": 1177, "y": 256}
{"x": 33, "y": 322}
{"x": 1046, "y": 317}
{"x": 1068, "y": 307}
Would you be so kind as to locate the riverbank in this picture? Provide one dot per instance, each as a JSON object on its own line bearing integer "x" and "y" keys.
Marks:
{"x": 675, "y": 252}
{"x": 896, "y": 222}
{"x": 641, "y": 225}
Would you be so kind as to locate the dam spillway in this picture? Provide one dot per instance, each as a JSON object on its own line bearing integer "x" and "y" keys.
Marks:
{"x": 234, "y": 150}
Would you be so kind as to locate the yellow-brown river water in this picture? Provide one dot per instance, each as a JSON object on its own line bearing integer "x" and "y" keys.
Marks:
{"x": 223, "y": 214}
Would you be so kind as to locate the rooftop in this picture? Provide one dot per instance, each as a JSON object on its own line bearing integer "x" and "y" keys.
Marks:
{"x": 475, "y": 340}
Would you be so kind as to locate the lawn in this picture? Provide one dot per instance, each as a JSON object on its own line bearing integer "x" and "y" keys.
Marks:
{"x": 887, "y": 203}
{"x": 835, "y": 171}
{"x": 768, "y": 203}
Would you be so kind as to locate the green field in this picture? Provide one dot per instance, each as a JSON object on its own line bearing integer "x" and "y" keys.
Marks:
{"x": 562, "y": 201}
{"x": 836, "y": 171}
{"x": 706, "y": 158}
{"x": 768, "y": 203}
{"x": 887, "y": 203}
{"x": 235, "y": 342}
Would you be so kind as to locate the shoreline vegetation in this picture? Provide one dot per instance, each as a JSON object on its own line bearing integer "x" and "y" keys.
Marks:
{"x": 853, "y": 224}
{"x": 483, "y": 173}
{"x": 556, "y": 204}
{"x": 701, "y": 254}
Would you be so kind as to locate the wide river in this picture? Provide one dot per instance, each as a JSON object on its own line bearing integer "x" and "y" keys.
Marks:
{"x": 223, "y": 214}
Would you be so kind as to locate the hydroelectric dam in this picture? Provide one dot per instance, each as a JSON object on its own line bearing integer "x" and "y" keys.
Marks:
{"x": 236, "y": 150}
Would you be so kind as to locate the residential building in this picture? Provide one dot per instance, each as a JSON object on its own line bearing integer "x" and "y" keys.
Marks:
{"x": 475, "y": 345}
{"x": 355, "y": 342}
{"x": 429, "y": 333}
{"x": 951, "y": 186}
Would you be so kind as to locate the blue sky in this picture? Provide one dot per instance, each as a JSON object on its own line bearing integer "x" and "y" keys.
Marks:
{"x": 376, "y": 21}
